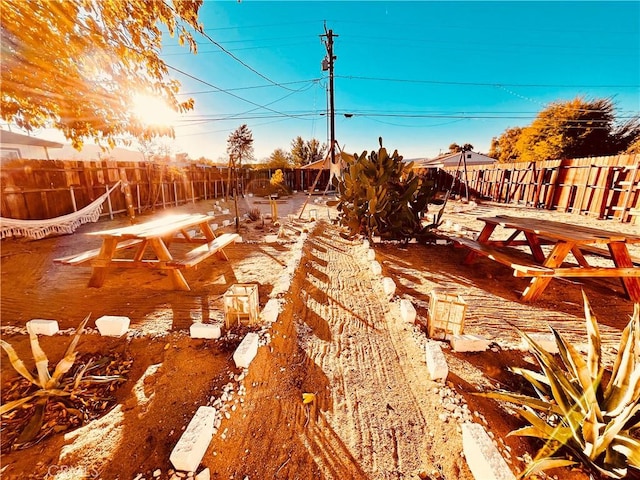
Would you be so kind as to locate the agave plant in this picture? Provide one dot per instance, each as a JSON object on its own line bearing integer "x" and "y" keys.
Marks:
{"x": 598, "y": 424}
{"x": 47, "y": 385}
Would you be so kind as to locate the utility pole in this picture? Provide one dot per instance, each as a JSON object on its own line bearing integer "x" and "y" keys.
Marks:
{"x": 327, "y": 64}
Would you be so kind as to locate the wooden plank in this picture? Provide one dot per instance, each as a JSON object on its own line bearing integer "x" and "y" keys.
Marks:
{"x": 521, "y": 267}
{"x": 198, "y": 254}
{"x": 91, "y": 254}
{"x": 561, "y": 230}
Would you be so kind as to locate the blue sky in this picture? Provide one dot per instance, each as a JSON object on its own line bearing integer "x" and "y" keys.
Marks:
{"x": 420, "y": 74}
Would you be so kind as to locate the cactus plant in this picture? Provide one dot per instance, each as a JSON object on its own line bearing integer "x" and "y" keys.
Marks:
{"x": 381, "y": 195}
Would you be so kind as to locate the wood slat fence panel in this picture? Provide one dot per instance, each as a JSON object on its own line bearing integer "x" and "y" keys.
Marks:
{"x": 606, "y": 187}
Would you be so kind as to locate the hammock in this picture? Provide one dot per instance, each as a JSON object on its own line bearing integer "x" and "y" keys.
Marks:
{"x": 37, "y": 229}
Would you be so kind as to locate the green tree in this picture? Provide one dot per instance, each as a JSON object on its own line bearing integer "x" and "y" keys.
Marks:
{"x": 239, "y": 148}
{"x": 278, "y": 159}
{"x": 78, "y": 65}
{"x": 455, "y": 148}
{"x": 304, "y": 152}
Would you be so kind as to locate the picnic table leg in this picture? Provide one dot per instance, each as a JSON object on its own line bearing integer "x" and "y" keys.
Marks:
{"x": 483, "y": 237}
{"x": 534, "y": 245}
{"x": 162, "y": 252}
{"x": 555, "y": 259}
{"x": 621, "y": 259}
{"x": 99, "y": 270}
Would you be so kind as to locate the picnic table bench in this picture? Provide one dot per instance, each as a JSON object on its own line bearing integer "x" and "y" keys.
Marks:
{"x": 150, "y": 242}
{"x": 565, "y": 238}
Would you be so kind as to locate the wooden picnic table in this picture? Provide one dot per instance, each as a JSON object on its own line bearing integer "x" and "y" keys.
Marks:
{"x": 565, "y": 238}
{"x": 150, "y": 242}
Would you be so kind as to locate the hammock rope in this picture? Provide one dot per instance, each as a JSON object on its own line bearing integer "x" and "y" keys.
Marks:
{"x": 65, "y": 224}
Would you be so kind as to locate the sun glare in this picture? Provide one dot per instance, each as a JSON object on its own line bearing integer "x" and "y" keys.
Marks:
{"x": 153, "y": 111}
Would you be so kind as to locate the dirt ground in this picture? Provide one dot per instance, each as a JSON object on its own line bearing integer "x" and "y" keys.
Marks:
{"x": 376, "y": 414}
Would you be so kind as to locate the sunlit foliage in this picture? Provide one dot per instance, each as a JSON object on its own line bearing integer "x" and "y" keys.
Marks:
{"x": 77, "y": 65}
{"x": 573, "y": 129}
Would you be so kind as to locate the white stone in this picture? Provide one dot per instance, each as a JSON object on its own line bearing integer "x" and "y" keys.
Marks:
{"x": 203, "y": 475}
{"x": 371, "y": 254}
{"x": 188, "y": 452}
{"x": 483, "y": 458}
{"x": 407, "y": 311}
{"x": 468, "y": 343}
{"x": 238, "y": 239}
{"x": 436, "y": 363}
{"x": 225, "y": 223}
{"x": 365, "y": 244}
{"x": 271, "y": 310}
{"x": 546, "y": 340}
{"x": 43, "y": 327}
{"x": 246, "y": 351}
{"x": 205, "y": 330}
{"x": 271, "y": 238}
{"x": 214, "y": 226}
{"x": 225, "y": 211}
{"x": 112, "y": 325}
{"x": 376, "y": 268}
{"x": 212, "y": 213}
{"x": 389, "y": 286}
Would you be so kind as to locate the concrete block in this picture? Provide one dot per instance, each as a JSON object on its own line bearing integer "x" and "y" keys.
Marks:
{"x": 246, "y": 351}
{"x": 546, "y": 340}
{"x": 389, "y": 286}
{"x": 43, "y": 327}
{"x": 225, "y": 211}
{"x": 436, "y": 363}
{"x": 407, "y": 311}
{"x": 188, "y": 452}
{"x": 483, "y": 457}
{"x": 214, "y": 226}
{"x": 271, "y": 310}
{"x": 468, "y": 343}
{"x": 371, "y": 254}
{"x": 205, "y": 330}
{"x": 204, "y": 475}
{"x": 225, "y": 223}
{"x": 112, "y": 325}
{"x": 376, "y": 268}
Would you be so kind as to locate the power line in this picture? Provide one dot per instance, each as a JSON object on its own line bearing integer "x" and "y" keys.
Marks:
{"x": 228, "y": 93}
{"x": 482, "y": 84}
{"x": 312, "y": 80}
{"x": 204, "y": 34}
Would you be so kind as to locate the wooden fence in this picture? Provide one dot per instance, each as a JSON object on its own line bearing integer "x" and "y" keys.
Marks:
{"x": 39, "y": 189}
{"x": 42, "y": 189}
{"x": 605, "y": 187}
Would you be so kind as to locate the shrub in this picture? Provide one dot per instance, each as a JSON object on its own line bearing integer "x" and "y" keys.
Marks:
{"x": 597, "y": 423}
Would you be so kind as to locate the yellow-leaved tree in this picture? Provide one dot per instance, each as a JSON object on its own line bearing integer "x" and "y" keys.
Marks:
{"x": 78, "y": 65}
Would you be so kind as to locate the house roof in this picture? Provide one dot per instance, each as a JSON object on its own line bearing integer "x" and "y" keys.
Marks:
{"x": 19, "y": 139}
{"x": 452, "y": 159}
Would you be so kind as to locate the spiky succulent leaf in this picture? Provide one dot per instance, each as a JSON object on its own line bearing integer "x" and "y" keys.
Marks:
{"x": 593, "y": 336}
{"x": 42, "y": 362}
{"x": 546, "y": 463}
{"x": 69, "y": 358}
{"x": 17, "y": 363}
